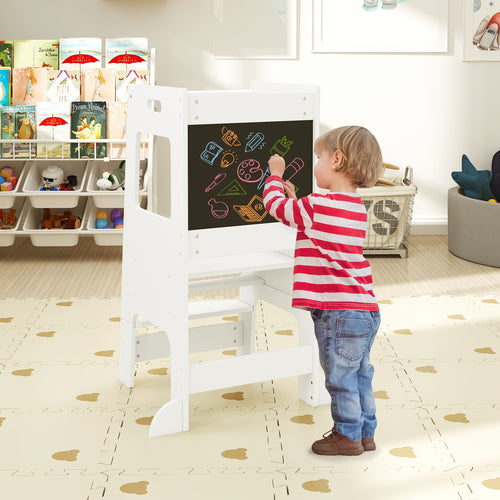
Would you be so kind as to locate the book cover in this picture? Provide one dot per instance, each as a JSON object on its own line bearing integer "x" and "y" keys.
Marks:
{"x": 88, "y": 122}
{"x": 98, "y": 84}
{"x": 125, "y": 54}
{"x": 117, "y": 128}
{"x": 36, "y": 53}
{"x": 126, "y": 78}
{"x": 29, "y": 85}
{"x": 6, "y": 51}
{"x": 75, "y": 54}
{"x": 4, "y": 86}
{"x": 53, "y": 124}
{"x": 18, "y": 123}
{"x": 63, "y": 86}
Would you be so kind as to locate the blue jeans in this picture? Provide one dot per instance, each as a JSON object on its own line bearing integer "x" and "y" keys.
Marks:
{"x": 345, "y": 338}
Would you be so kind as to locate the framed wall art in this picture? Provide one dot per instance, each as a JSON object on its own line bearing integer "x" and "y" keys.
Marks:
{"x": 257, "y": 29}
{"x": 481, "y": 30}
{"x": 380, "y": 25}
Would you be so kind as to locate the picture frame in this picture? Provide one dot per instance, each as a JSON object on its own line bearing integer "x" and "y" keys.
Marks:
{"x": 260, "y": 29}
{"x": 481, "y": 39}
{"x": 365, "y": 26}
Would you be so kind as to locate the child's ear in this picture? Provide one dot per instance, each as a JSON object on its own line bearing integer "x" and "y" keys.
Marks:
{"x": 337, "y": 157}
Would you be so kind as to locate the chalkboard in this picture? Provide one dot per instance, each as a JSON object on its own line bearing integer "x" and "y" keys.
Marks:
{"x": 227, "y": 168}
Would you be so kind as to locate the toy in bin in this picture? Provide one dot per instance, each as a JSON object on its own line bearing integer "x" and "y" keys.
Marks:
{"x": 7, "y": 218}
{"x": 111, "y": 181}
{"x": 59, "y": 220}
{"x": 113, "y": 220}
{"x": 8, "y": 179}
{"x": 53, "y": 180}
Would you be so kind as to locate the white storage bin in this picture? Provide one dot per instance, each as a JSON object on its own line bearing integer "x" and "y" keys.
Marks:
{"x": 54, "y": 199}
{"x": 111, "y": 199}
{"x": 53, "y": 237}
{"x": 8, "y": 236}
{"x": 7, "y": 198}
{"x": 102, "y": 237}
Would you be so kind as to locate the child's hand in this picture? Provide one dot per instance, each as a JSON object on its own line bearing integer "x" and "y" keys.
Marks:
{"x": 276, "y": 165}
{"x": 289, "y": 190}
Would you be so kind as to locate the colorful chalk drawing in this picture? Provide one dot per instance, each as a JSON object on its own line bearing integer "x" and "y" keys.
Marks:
{"x": 263, "y": 180}
{"x": 228, "y": 158}
{"x": 210, "y": 153}
{"x": 234, "y": 188}
{"x": 254, "y": 211}
{"x": 218, "y": 209}
{"x": 230, "y": 137}
{"x": 281, "y": 146}
{"x": 255, "y": 139}
{"x": 293, "y": 168}
{"x": 217, "y": 180}
{"x": 230, "y": 191}
{"x": 250, "y": 171}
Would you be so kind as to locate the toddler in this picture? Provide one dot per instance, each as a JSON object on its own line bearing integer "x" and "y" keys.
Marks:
{"x": 333, "y": 280}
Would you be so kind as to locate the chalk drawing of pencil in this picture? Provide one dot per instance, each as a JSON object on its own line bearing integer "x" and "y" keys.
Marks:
{"x": 255, "y": 140}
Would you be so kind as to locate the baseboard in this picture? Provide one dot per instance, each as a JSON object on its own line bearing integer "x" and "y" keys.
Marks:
{"x": 429, "y": 226}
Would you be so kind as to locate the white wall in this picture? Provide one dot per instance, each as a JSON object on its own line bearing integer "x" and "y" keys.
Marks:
{"x": 426, "y": 110}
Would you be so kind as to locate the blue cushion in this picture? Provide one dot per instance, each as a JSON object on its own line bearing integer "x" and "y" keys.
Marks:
{"x": 474, "y": 183}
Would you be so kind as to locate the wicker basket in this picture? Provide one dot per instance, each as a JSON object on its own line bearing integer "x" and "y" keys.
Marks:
{"x": 389, "y": 211}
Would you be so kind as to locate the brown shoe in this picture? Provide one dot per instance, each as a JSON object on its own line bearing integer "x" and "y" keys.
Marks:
{"x": 368, "y": 444}
{"x": 334, "y": 443}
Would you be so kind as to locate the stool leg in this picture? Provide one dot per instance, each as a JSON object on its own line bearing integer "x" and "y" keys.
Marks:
{"x": 126, "y": 368}
{"x": 173, "y": 416}
{"x": 249, "y": 295}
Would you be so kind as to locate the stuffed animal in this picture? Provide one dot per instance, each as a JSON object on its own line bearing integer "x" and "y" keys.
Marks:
{"x": 113, "y": 180}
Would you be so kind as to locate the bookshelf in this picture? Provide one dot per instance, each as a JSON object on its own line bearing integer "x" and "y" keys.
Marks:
{"x": 28, "y": 158}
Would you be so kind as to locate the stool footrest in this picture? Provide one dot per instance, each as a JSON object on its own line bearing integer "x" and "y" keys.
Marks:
{"x": 250, "y": 368}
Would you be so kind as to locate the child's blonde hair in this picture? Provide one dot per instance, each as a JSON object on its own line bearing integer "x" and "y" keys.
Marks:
{"x": 361, "y": 155}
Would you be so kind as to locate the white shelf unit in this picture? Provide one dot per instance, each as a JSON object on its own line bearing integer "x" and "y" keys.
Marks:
{"x": 24, "y": 201}
{"x": 28, "y": 200}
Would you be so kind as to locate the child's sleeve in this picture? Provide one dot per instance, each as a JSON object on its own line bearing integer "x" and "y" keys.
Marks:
{"x": 294, "y": 213}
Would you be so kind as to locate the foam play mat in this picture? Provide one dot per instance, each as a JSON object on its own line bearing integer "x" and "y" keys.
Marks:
{"x": 70, "y": 429}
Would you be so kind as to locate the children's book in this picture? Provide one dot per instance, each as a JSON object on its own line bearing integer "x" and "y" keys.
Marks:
{"x": 98, "y": 84}
{"x": 76, "y": 54}
{"x": 53, "y": 124}
{"x": 18, "y": 123}
{"x": 88, "y": 122}
{"x": 117, "y": 128}
{"x": 36, "y": 53}
{"x": 126, "y": 78}
{"x": 6, "y": 51}
{"x": 4, "y": 86}
{"x": 63, "y": 86}
{"x": 29, "y": 85}
{"x": 125, "y": 54}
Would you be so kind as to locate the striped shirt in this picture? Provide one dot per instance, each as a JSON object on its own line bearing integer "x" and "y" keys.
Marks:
{"x": 330, "y": 271}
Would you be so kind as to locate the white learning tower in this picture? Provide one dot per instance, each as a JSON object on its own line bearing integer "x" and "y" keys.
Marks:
{"x": 161, "y": 256}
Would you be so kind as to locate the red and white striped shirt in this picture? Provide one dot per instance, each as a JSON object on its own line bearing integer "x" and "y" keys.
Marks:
{"x": 330, "y": 271}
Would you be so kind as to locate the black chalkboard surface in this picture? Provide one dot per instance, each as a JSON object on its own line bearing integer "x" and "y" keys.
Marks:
{"x": 227, "y": 167}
